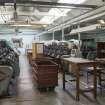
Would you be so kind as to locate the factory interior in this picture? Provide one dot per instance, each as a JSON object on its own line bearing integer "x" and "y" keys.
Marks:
{"x": 52, "y": 52}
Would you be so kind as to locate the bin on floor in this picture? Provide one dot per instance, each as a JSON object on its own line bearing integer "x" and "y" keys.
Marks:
{"x": 45, "y": 73}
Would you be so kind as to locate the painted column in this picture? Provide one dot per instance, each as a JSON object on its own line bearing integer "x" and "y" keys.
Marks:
{"x": 53, "y": 36}
{"x": 62, "y": 28}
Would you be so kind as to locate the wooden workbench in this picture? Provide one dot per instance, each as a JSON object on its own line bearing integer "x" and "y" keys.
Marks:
{"x": 101, "y": 60}
{"x": 78, "y": 63}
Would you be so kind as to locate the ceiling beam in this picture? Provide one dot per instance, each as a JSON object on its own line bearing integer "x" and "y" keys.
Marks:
{"x": 24, "y": 22}
{"x": 2, "y": 2}
{"x": 29, "y": 13}
{"x": 7, "y": 1}
{"x": 85, "y": 29}
{"x": 48, "y": 6}
{"x": 53, "y": 4}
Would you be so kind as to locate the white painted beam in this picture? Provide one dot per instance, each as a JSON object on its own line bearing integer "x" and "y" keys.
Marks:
{"x": 84, "y": 29}
{"x": 36, "y": 12}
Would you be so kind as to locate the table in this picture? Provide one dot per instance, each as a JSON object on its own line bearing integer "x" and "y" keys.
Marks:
{"x": 78, "y": 63}
{"x": 101, "y": 78}
{"x": 101, "y": 60}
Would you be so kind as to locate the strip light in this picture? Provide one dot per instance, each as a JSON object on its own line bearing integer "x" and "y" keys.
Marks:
{"x": 22, "y": 25}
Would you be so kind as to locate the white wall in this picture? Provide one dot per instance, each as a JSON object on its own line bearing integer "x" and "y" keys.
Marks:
{"x": 6, "y": 37}
{"x": 27, "y": 39}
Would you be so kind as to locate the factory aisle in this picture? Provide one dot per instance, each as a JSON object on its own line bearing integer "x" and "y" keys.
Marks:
{"x": 25, "y": 85}
{"x": 29, "y": 95}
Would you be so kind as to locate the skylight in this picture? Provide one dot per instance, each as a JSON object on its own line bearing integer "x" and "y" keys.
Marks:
{"x": 56, "y": 13}
{"x": 4, "y": 18}
{"x": 4, "y": 14}
{"x": 1, "y": 20}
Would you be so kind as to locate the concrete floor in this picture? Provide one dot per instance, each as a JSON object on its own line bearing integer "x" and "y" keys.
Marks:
{"x": 29, "y": 95}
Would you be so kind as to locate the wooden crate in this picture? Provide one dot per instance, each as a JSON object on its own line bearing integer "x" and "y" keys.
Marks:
{"x": 45, "y": 73}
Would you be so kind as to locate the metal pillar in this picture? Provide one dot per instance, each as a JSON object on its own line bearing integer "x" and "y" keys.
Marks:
{"x": 62, "y": 34}
{"x": 62, "y": 28}
{"x": 53, "y": 36}
{"x": 79, "y": 35}
{"x": 79, "y": 38}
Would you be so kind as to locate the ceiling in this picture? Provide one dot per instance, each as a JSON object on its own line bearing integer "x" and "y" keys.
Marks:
{"x": 38, "y": 17}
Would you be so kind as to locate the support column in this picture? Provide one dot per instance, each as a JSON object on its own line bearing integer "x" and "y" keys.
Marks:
{"x": 79, "y": 39}
{"x": 62, "y": 33}
{"x": 53, "y": 35}
{"x": 62, "y": 28}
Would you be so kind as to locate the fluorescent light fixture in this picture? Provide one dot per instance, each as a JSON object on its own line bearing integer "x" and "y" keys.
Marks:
{"x": 44, "y": 25}
{"x": 57, "y": 13}
{"x": 22, "y": 25}
{"x": 9, "y": 4}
